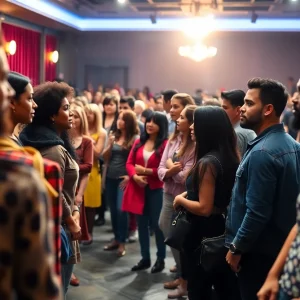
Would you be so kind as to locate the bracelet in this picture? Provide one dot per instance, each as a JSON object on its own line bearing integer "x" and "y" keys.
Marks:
{"x": 75, "y": 210}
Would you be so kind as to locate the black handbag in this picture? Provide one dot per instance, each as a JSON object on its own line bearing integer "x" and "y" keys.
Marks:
{"x": 180, "y": 227}
{"x": 212, "y": 251}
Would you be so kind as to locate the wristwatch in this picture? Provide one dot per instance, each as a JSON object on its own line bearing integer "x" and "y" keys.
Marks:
{"x": 234, "y": 250}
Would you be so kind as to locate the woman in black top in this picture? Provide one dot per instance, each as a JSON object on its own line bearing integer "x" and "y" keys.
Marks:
{"x": 209, "y": 186}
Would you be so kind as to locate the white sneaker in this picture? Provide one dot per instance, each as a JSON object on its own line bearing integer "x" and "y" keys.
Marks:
{"x": 133, "y": 236}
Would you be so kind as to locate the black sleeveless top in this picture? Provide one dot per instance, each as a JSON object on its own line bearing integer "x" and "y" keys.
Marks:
{"x": 213, "y": 225}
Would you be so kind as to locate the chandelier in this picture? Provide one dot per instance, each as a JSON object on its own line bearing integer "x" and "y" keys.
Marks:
{"x": 197, "y": 29}
{"x": 197, "y": 52}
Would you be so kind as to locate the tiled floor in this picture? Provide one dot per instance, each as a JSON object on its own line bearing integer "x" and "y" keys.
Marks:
{"x": 104, "y": 276}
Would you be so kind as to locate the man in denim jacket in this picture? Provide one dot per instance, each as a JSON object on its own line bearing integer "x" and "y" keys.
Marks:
{"x": 263, "y": 205}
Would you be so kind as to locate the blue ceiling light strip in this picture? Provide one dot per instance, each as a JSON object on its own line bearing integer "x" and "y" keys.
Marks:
{"x": 163, "y": 24}
{"x": 241, "y": 24}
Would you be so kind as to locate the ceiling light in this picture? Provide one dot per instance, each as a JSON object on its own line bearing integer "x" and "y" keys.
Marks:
{"x": 199, "y": 27}
{"x": 122, "y": 1}
{"x": 197, "y": 52}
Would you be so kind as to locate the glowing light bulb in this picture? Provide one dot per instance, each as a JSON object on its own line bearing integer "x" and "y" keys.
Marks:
{"x": 11, "y": 47}
{"x": 54, "y": 56}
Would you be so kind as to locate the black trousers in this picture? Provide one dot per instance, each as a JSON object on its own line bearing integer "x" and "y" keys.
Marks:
{"x": 201, "y": 283}
{"x": 254, "y": 270}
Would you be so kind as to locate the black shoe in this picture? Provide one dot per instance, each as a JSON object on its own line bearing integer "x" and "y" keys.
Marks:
{"x": 142, "y": 265}
{"x": 158, "y": 266}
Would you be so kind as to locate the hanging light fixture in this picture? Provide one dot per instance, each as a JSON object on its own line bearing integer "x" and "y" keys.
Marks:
{"x": 198, "y": 28}
{"x": 197, "y": 52}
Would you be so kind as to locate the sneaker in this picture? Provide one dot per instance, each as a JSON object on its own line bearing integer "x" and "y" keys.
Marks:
{"x": 133, "y": 236}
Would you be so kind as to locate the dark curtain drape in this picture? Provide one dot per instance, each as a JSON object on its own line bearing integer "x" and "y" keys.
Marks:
{"x": 50, "y": 67}
{"x": 26, "y": 60}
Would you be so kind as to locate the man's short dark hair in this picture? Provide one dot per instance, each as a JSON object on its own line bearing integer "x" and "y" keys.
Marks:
{"x": 168, "y": 94}
{"x": 235, "y": 97}
{"x": 271, "y": 92}
{"x": 128, "y": 99}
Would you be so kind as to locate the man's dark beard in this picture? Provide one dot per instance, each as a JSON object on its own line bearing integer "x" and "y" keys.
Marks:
{"x": 253, "y": 123}
{"x": 296, "y": 121}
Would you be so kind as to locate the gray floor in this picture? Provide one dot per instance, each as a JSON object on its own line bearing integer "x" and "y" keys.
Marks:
{"x": 104, "y": 276}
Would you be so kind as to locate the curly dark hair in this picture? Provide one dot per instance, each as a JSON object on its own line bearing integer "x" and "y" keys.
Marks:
{"x": 49, "y": 96}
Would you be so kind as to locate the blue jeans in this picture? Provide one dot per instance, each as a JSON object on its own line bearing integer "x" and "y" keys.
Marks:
{"x": 150, "y": 217}
{"x": 119, "y": 218}
{"x": 66, "y": 274}
{"x": 283, "y": 295}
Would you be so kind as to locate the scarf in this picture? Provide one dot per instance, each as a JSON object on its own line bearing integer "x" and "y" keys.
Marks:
{"x": 40, "y": 137}
{"x": 6, "y": 144}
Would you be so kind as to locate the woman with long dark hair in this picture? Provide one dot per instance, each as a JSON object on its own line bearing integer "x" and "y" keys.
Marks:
{"x": 209, "y": 185}
{"x": 110, "y": 113}
{"x": 115, "y": 156}
{"x": 143, "y": 194}
{"x": 48, "y": 134}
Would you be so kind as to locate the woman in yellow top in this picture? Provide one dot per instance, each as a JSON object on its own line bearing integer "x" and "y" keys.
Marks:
{"x": 92, "y": 194}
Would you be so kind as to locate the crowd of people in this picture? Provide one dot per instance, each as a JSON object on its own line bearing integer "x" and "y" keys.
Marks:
{"x": 224, "y": 164}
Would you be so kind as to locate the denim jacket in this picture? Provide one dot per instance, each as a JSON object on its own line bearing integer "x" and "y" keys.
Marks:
{"x": 263, "y": 203}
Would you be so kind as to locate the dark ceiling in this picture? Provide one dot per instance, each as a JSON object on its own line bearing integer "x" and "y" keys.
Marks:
{"x": 180, "y": 8}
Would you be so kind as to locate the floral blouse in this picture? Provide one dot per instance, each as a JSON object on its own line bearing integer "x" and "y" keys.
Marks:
{"x": 26, "y": 252}
{"x": 290, "y": 280}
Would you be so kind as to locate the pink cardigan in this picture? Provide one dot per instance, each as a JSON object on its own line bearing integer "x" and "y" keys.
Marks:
{"x": 175, "y": 185}
{"x": 134, "y": 196}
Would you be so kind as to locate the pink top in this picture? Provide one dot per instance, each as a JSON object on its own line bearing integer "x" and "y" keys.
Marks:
{"x": 175, "y": 185}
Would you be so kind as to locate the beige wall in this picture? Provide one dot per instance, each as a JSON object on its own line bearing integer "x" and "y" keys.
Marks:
{"x": 153, "y": 60}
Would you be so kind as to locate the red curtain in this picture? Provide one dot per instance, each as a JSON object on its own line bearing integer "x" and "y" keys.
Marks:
{"x": 50, "y": 67}
{"x": 26, "y": 60}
